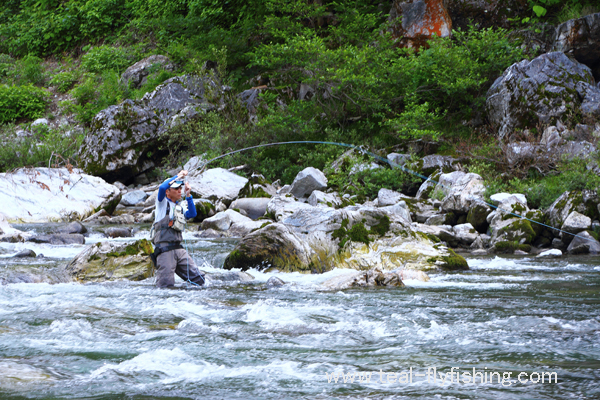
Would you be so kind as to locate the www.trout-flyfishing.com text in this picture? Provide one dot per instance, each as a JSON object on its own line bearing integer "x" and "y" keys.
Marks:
{"x": 455, "y": 375}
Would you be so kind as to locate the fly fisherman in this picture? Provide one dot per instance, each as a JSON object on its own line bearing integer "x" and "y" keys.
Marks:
{"x": 169, "y": 222}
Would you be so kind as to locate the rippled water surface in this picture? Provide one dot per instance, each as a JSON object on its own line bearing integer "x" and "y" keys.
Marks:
{"x": 130, "y": 340}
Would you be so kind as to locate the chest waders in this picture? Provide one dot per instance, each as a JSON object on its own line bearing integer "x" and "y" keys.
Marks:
{"x": 166, "y": 234}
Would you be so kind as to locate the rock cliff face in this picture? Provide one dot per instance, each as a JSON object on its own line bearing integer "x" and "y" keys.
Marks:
{"x": 544, "y": 90}
{"x": 124, "y": 140}
{"x": 580, "y": 38}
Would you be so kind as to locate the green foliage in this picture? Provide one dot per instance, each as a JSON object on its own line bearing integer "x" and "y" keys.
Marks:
{"x": 64, "y": 81}
{"x": 106, "y": 58}
{"x": 36, "y": 150}
{"x": 542, "y": 191}
{"x": 25, "y": 101}
{"x": 94, "y": 94}
{"x": 7, "y": 64}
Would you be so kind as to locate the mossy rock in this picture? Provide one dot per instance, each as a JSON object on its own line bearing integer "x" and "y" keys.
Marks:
{"x": 454, "y": 262}
{"x": 510, "y": 247}
{"x": 518, "y": 231}
{"x": 109, "y": 261}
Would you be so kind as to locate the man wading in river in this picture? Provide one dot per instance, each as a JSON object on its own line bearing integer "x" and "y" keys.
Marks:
{"x": 169, "y": 222}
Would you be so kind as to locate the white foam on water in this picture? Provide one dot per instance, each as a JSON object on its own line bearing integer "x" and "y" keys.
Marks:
{"x": 177, "y": 366}
{"x": 13, "y": 373}
{"x": 298, "y": 278}
{"x": 437, "y": 282}
{"x": 48, "y": 250}
{"x": 265, "y": 312}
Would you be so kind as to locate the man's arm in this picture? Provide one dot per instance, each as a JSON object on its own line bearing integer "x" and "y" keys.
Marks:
{"x": 191, "y": 209}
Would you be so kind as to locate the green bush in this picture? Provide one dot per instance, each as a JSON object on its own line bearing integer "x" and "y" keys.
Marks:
{"x": 7, "y": 64}
{"x": 25, "y": 101}
{"x": 38, "y": 149}
{"x": 106, "y": 58}
{"x": 64, "y": 81}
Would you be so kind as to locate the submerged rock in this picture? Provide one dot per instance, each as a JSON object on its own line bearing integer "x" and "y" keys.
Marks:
{"x": 73, "y": 227}
{"x": 106, "y": 261}
{"x": 25, "y": 253}
{"x": 58, "y": 238}
{"x": 274, "y": 282}
{"x": 372, "y": 278}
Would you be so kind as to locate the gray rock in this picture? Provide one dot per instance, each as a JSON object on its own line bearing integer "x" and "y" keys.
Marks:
{"x": 308, "y": 180}
{"x": 40, "y": 122}
{"x": 479, "y": 252}
{"x": 364, "y": 279}
{"x": 437, "y": 219}
{"x": 574, "y": 224}
{"x": 134, "y": 198}
{"x": 427, "y": 188}
{"x": 73, "y": 227}
{"x": 124, "y": 140}
{"x": 25, "y": 253}
{"x": 465, "y": 233}
{"x": 584, "y": 243}
{"x": 254, "y": 207}
{"x": 204, "y": 209}
{"x": 251, "y": 98}
{"x": 398, "y": 159}
{"x": 580, "y": 38}
{"x": 194, "y": 163}
{"x": 520, "y": 253}
{"x": 59, "y": 238}
{"x": 217, "y": 184}
{"x": 115, "y": 232}
{"x": 461, "y": 190}
{"x": 400, "y": 210}
{"x": 137, "y": 74}
{"x": 386, "y": 197}
{"x": 274, "y": 282}
{"x": 317, "y": 198}
{"x": 584, "y": 202}
{"x": 232, "y": 223}
{"x": 508, "y": 198}
{"x": 537, "y": 91}
{"x": 477, "y": 244}
{"x": 434, "y": 162}
{"x": 551, "y": 137}
{"x": 558, "y": 244}
{"x": 518, "y": 152}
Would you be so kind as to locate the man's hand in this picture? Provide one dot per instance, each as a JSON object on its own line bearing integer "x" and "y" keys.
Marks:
{"x": 188, "y": 189}
{"x": 182, "y": 174}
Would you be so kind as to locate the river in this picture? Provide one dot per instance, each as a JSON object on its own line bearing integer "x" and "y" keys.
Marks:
{"x": 128, "y": 340}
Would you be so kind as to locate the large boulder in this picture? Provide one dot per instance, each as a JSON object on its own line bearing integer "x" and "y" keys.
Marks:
{"x": 124, "y": 139}
{"x": 308, "y": 180}
{"x": 318, "y": 239}
{"x": 58, "y": 238}
{"x": 580, "y": 38}
{"x": 420, "y": 21}
{"x": 375, "y": 277}
{"x": 387, "y": 197}
{"x": 138, "y": 73}
{"x": 461, "y": 190}
{"x": 217, "y": 184}
{"x": 542, "y": 90}
{"x": 54, "y": 194}
{"x": 325, "y": 199}
{"x": 109, "y": 261}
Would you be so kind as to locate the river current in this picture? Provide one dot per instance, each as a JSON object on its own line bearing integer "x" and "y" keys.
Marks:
{"x": 523, "y": 318}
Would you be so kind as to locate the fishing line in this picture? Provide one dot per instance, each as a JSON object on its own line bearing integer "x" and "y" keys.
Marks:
{"x": 393, "y": 165}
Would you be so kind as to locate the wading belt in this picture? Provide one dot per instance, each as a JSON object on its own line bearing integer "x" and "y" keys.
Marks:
{"x": 159, "y": 249}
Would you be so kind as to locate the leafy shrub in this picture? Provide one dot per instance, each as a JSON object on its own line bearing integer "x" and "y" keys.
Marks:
{"x": 106, "y": 58}
{"x": 25, "y": 101}
{"x": 7, "y": 64}
{"x": 94, "y": 94}
{"x": 64, "y": 81}
{"x": 28, "y": 70}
